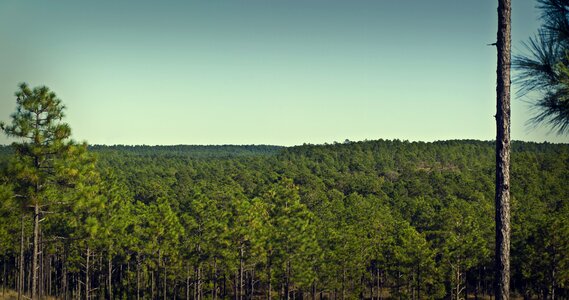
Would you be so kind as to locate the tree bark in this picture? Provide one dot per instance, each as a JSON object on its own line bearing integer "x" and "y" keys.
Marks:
{"x": 21, "y": 271}
{"x": 34, "y": 286}
{"x": 314, "y": 290}
{"x": 502, "y": 255}
{"x": 87, "y": 273}
{"x": 188, "y": 284}
{"x": 240, "y": 273}
{"x": 269, "y": 288}
{"x": 65, "y": 280}
{"x": 109, "y": 276}
{"x": 199, "y": 283}
{"x": 137, "y": 276}
{"x": 165, "y": 280}
{"x": 214, "y": 292}
{"x": 287, "y": 284}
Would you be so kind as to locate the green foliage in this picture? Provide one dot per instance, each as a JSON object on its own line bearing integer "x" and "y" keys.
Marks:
{"x": 543, "y": 70}
{"x": 412, "y": 220}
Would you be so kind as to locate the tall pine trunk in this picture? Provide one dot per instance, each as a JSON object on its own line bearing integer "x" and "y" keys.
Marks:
{"x": 87, "y": 256}
{"x": 21, "y": 271}
{"x": 269, "y": 287}
{"x": 214, "y": 292}
{"x": 240, "y": 289}
{"x": 502, "y": 258}
{"x": 35, "y": 266}
{"x": 109, "y": 275}
{"x": 137, "y": 276}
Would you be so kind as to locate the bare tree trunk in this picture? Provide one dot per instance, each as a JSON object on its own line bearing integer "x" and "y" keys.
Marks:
{"x": 34, "y": 286}
{"x": 87, "y": 273}
{"x": 241, "y": 273}
{"x": 287, "y": 282}
{"x": 21, "y": 271}
{"x": 137, "y": 276}
{"x": 65, "y": 276}
{"x": 152, "y": 283}
{"x": 199, "y": 282}
{"x": 214, "y": 292}
{"x": 252, "y": 284}
{"x": 502, "y": 259}
{"x": 378, "y": 284}
{"x": 40, "y": 269}
{"x": 314, "y": 290}
{"x": 4, "y": 276}
{"x": 343, "y": 283}
{"x": 109, "y": 276}
{"x": 269, "y": 280}
{"x": 419, "y": 283}
{"x": 188, "y": 283}
{"x": 235, "y": 283}
{"x": 165, "y": 280}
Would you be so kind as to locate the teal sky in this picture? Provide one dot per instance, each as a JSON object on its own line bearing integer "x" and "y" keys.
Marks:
{"x": 280, "y": 72}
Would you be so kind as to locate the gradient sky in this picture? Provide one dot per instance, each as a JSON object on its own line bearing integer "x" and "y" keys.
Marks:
{"x": 280, "y": 72}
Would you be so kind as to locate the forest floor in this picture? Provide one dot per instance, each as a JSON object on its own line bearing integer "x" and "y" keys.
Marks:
{"x": 13, "y": 295}
{"x": 8, "y": 295}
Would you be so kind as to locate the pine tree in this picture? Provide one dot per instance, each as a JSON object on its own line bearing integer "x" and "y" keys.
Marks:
{"x": 41, "y": 150}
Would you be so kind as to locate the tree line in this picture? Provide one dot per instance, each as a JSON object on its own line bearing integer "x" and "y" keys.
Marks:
{"x": 372, "y": 219}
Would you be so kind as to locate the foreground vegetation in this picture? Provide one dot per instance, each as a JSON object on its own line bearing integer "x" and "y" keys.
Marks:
{"x": 357, "y": 219}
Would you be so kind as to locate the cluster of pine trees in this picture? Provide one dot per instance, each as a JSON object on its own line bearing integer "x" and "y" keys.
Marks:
{"x": 370, "y": 219}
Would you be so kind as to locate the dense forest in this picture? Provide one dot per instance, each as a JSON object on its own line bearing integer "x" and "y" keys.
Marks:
{"x": 371, "y": 219}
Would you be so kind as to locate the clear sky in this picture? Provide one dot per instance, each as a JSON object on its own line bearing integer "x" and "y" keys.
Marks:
{"x": 281, "y": 72}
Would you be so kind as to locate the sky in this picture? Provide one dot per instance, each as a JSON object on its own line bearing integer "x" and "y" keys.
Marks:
{"x": 280, "y": 72}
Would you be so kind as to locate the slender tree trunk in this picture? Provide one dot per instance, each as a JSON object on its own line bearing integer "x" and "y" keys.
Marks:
{"x": 195, "y": 283}
{"x": 252, "y": 284}
{"x": 4, "y": 276}
{"x": 35, "y": 266}
{"x": 65, "y": 288}
{"x": 378, "y": 278}
{"x": 128, "y": 286}
{"x": 87, "y": 273}
{"x": 287, "y": 281}
{"x": 165, "y": 280}
{"x": 21, "y": 265}
{"x": 380, "y": 286}
{"x": 235, "y": 283}
{"x": 199, "y": 282}
{"x": 502, "y": 259}
{"x": 49, "y": 271}
{"x": 40, "y": 268}
{"x": 241, "y": 272}
{"x": 457, "y": 291}
{"x": 109, "y": 276}
{"x": 314, "y": 290}
{"x": 137, "y": 276}
{"x": 419, "y": 282}
{"x": 214, "y": 292}
{"x": 224, "y": 291}
{"x": 553, "y": 284}
{"x": 152, "y": 284}
{"x": 270, "y": 287}
{"x": 27, "y": 289}
{"x": 466, "y": 284}
{"x": 343, "y": 283}
{"x": 188, "y": 283}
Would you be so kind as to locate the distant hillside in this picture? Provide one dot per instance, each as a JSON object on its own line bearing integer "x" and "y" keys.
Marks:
{"x": 194, "y": 151}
